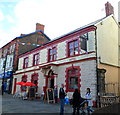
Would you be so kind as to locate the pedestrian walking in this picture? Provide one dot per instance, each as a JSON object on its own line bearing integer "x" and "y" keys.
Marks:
{"x": 56, "y": 93}
{"x": 62, "y": 99}
{"x": 76, "y": 101}
{"x": 88, "y": 96}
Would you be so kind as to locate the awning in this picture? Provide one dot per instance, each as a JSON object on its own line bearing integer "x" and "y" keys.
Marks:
{"x": 7, "y": 74}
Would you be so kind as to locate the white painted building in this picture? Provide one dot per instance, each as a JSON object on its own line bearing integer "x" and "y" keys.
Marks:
{"x": 69, "y": 60}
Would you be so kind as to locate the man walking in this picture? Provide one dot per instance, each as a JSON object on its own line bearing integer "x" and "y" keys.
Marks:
{"x": 62, "y": 97}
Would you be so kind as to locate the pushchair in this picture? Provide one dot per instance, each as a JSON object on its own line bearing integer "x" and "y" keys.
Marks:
{"x": 84, "y": 109}
{"x": 83, "y": 106}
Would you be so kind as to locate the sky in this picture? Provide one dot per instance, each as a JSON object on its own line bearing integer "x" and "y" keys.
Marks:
{"x": 59, "y": 16}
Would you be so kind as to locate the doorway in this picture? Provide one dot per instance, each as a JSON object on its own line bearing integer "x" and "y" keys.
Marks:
{"x": 50, "y": 79}
{"x": 52, "y": 83}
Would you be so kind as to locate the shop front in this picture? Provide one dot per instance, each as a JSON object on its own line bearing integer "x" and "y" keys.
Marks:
{"x": 7, "y": 79}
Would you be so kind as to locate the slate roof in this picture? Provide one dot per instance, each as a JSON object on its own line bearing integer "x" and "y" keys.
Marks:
{"x": 28, "y": 35}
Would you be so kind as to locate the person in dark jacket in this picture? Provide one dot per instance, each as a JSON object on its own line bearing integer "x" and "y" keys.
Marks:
{"x": 62, "y": 99}
{"x": 76, "y": 101}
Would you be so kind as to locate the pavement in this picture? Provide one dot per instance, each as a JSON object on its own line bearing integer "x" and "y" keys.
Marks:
{"x": 18, "y": 106}
{"x": 11, "y": 106}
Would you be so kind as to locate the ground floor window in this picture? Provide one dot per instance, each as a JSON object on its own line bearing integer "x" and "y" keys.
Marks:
{"x": 73, "y": 82}
{"x": 24, "y": 79}
{"x": 34, "y": 79}
{"x": 72, "y": 78}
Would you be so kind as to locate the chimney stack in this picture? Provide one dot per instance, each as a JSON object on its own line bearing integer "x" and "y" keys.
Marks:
{"x": 109, "y": 9}
{"x": 39, "y": 27}
{"x": 22, "y": 34}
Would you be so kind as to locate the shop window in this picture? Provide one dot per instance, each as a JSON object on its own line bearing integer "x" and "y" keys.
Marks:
{"x": 73, "y": 48}
{"x": 52, "y": 54}
{"x": 36, "y": 59}
{"x": 25, "y": 64}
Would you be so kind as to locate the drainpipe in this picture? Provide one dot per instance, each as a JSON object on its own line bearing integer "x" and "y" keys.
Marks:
{"x": 97, "y": 85}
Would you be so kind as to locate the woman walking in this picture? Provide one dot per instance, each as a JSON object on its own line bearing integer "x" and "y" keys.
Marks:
{"x": 89, "y": 99}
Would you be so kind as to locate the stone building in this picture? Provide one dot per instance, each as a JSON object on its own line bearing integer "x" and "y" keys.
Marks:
{"x": 69, "y": 60}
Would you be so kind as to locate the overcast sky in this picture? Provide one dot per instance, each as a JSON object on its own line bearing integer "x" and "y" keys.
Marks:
{"x": 58, "y": 16}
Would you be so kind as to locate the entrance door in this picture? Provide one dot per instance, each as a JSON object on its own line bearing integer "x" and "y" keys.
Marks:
{"x": 52, "y": 83}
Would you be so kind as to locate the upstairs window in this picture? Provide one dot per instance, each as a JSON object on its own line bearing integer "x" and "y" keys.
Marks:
{"x": 52, "y": 54}
{"x": 83, "y": 41}
{"x": 36, "y": 59}
{"x": 73, "y": 48}
{"x": 25, "y": 64}
{"x": 12, "y": 48}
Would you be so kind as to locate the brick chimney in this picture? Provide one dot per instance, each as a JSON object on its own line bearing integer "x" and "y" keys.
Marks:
{"x": 109, "y": 9}
{"x": 22, "y": 34}
{"x": 39, "y": 27}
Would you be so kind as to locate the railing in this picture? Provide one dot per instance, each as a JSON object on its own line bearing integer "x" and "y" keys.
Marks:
{"x": 113, "y": 88}
{"x": 109, "y": 100}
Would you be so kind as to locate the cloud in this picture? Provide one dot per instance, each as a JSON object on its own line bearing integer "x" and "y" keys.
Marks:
{"x": 4, "y": 1}
{"x": 5, "y": 38}
{"x": 1, "y": 16}
{"x": 10, "y": 19}
{"x": 58, "y": 16}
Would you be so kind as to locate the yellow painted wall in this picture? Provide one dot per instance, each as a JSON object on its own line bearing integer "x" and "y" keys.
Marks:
{"x": 108, "y": 48}
{"x": 111, "y": 79}
{"x": 107, "y": 41}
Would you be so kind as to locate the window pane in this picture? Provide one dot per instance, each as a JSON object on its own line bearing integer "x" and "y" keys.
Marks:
{"x": 76, "y": 43}
{"x": 83, "y": 44}
{"x": 51, "y": 57}
{"x": 71, "y": 52}
{"x": 70, "y": 45}
{"x": 73, "y": 82}
{"x": 76, "y": 50}
{"x": 50, "y": 52}
{"x": 54, "y": 56}
{"x": 54, "y": 51}
{"x": 26, "y": 62}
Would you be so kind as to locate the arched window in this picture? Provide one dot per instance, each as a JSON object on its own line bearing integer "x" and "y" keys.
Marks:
{"x": 72, "y": 78}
